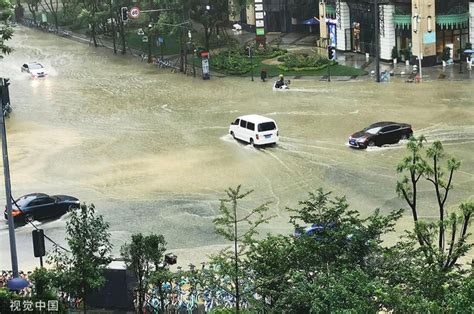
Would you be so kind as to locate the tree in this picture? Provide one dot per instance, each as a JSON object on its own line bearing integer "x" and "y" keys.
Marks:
{"x": 33, "y": 8}
{"x": 143, "y": 255}
{"x": 81, "y": 269}
{"x": 320, "y": 268}
{"x": 423, "y": 268}
{"x": 6, "y": 32}
{"x": 210, "y": 15}
{"x": 414, "y": 167}
{"x": 52, "y": 6}
{"x": 228, "y": 225}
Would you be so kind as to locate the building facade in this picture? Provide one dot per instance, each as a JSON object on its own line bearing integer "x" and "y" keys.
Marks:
{"x": 411, "y": 28}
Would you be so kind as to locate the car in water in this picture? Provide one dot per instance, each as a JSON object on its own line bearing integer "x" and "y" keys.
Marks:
{"x": 40, "y": 206}
{"x": 35, "y": 69}
{"x": 380, "y": 133}
{"x": 254, "y": 129}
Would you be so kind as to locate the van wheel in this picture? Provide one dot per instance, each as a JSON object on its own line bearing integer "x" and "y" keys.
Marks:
{"x": 232, "y": 134}
{"x": 251, "y": 142}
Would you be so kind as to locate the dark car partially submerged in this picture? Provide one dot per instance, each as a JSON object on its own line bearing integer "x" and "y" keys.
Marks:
{"x": 381, "y": 133}
{"x": 40, "y": 206}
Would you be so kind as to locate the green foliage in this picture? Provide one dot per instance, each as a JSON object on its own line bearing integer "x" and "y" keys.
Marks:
{"x": 6, "y": 32}
{"x": 80, "y": 271}
{"x": 269, "y": 52}
{"x": 232, "y": 62}
{"x": 240, "y": 228}
{"x": 293, "y": 61}
{"x": 143, "y": 255}
{"x": 43, "y": 281}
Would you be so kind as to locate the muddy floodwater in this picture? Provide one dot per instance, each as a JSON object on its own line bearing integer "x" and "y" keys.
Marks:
{"x": 151, "y": 149}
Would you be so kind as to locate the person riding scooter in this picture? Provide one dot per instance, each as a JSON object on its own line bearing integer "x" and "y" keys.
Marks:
{"x": 281, "y": 82}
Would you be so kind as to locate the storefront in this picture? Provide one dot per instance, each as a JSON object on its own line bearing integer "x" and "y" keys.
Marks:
{"x": 452, "y": 31}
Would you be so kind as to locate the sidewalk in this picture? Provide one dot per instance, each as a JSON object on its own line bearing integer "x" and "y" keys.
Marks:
{"x": 305, "y": 42}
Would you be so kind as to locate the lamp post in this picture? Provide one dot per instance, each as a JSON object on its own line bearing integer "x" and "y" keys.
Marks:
{"x": 417, "y": 19}
{"x": 460, "y": 55}
{"x": 377, "y": 40}
{"x": 251, "y": 61}
{"x": 15, "y": 283}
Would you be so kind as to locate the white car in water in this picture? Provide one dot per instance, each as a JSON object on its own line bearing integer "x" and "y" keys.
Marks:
{"x": 35, "y": 69}
{"x": 254, "y": 129}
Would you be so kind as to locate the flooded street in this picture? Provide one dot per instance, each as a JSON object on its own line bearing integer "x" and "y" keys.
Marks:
{"x": 150, "y": 148}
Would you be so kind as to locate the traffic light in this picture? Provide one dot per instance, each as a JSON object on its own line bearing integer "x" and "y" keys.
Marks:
{"x": 38, "y": 243}
{"x": 124, "y": 14}
{"x": 331, "y": 53}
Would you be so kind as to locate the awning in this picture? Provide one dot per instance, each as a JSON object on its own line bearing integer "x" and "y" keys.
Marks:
{"x": 311, "y": 21}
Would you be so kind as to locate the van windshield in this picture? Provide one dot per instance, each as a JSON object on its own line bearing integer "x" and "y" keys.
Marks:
{"x": 267, "y": 126}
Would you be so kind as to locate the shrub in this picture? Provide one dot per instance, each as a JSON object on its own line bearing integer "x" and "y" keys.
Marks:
{"x": 231, "y": 61}
{"x": 300, "y": 62}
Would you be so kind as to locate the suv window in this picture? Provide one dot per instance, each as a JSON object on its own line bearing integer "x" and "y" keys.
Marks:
{"x": 243, "y": 123}
{"x": 251, "y": 126}
{"x": 237, "y": 121}
{"x": 267, "y": 126}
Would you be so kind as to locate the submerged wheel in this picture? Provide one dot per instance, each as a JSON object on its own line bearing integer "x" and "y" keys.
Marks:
{"x": 371, "y": 144}
{"x": 29, "y": 218}
{"x": 403, "y": 137}
{"x": 252, "y": 142}
{"x": 232, "y": 134}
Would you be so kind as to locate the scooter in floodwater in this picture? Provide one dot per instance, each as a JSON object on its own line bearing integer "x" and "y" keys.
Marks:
{"x": 281, "y": 87}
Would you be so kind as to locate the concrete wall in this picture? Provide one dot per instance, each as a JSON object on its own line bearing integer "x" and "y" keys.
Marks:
{"x": 387, "y": 39}
{"x": 341, "y": 28}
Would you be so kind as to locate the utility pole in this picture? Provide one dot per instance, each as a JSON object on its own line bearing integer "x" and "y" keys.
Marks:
{"x": 4, "y": 99}
{"x": 377, "y": 40}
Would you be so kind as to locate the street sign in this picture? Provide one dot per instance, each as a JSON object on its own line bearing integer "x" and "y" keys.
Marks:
{"x": 140, "y": 32}
{"x": 145, "y": 39}
{"x": 134, "y": 12}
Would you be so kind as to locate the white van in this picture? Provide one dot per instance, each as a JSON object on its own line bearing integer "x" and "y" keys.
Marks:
{"x": 254, "y": 129}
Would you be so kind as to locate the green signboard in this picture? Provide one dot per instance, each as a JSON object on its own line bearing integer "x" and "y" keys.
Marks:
{"x": 260, "y": 31}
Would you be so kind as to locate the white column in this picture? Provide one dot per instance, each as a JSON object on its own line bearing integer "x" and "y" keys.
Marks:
{"x": 387, "y": 37}
{"x": 343, "y": 23}
{"x": 471, "y": 22}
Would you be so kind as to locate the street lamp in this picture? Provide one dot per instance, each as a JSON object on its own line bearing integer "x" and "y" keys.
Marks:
{"x": 417, "y": 30}
{"x": 251, "y": 60}
{"x": 16, "y": 283}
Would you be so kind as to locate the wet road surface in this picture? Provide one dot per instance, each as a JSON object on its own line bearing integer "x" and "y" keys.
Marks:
{"x": 150, "y": 148}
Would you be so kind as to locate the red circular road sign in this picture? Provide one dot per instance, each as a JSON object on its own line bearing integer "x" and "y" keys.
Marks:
{"x": 134, "y": 12}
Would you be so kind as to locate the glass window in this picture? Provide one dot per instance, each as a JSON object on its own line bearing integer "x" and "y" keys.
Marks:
{"x": 236, "y": 122}
{"x": 251, "y": 126}
{"x": 23, "y": 201}
{"x": 267, "y": 126}
{"x": 35, "y": 66}
{"x": 243, "y": 123}
{"x": 41, "y": 201}
{"x": 373, "y": 130}
{"x": 390, "y": 128}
